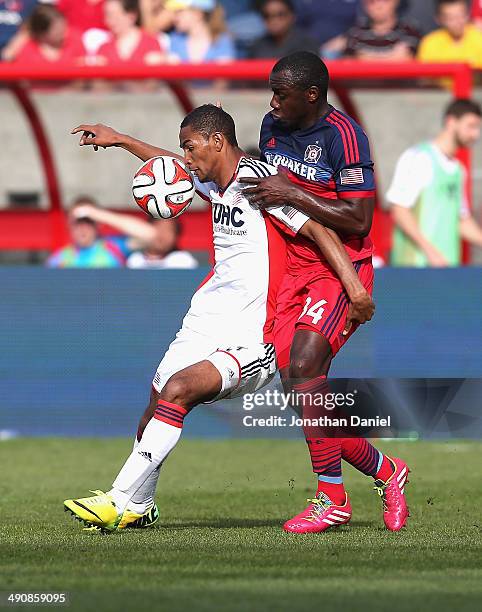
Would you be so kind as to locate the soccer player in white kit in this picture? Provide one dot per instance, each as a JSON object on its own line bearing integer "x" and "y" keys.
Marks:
{"x": 223, "y": 348}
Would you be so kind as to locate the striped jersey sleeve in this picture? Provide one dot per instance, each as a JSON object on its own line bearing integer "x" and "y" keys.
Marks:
{"x": 349, "y": 156}
{"x": 204, "y": 189}
{"x": 286, "y": 218}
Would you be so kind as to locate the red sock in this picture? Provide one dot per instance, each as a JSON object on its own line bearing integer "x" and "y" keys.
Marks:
{"x": 386, "y": 469}
{"x": 325, "y": 453}
{"x": 335, "y": 491}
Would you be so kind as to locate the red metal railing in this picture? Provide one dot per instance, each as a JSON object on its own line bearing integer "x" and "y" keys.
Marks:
{"x": 48, "y": 230}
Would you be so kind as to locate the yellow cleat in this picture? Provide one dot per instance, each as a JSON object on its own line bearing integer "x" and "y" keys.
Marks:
{"x": 139, "y": 521}
{"x": 96, "y": 511}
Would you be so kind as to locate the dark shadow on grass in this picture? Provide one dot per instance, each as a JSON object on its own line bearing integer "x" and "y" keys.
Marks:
{"x": 223, "y": 523}
{"x": 232, "y": 523}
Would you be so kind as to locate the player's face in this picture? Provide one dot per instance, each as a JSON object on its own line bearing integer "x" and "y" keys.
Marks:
{"x": 467, "y": 129}
{"x": 290, "y": 105}
{"x": 199, "y": 153}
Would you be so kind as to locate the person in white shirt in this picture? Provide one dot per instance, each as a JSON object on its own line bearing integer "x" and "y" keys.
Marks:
{"x": 427, "y": 194}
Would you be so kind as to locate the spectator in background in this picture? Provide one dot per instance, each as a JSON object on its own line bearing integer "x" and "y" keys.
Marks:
{"x": 82, "y": 14}
{"x": 200, "y": 32}
{"x": 457, "y": 40}
{"x": 427, "y": 194}
{"x": 163, "y": 252}
{"x": 13, "y": 33}
{"x": 282, "y": 36}
{"x": 143, "y": 244}
{"x": 88, "y": 249}
{"x": 328, "y": 25}
{"x": 385, "y": 36}
{"x": 51, "y": 39}
{"x": 421, "y": 13}
{"x": 477, "y": 13}
{"x": 129, "y": 42}
{"x": 155, "y": 18}
{"x": 87, "y": 17}
{"x": 244, "y": 23}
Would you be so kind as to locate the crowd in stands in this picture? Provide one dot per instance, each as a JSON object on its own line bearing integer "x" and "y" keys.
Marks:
{"x": 112, "y": 32}
{"x": 131, "y": 242}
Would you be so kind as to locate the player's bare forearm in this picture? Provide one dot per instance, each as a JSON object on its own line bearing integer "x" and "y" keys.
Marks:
{"x": 99, "y": 135}
{"x": 335, "y": 253}
{"x": 143, "y": 150}
{"x": 344, "y": 216}
{"x": 349, "y": 216}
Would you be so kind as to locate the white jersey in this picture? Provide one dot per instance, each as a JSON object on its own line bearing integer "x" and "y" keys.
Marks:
{"x": 237, "y": 300}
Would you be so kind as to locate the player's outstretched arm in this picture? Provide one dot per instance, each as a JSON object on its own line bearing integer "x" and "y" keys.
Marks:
{"x": 99, "y": 135}
{"x": 362, "y": 307}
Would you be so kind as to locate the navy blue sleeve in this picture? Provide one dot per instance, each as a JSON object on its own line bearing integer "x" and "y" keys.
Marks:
{"x": 265, "y": 135}
{"x": 349, "y": 157}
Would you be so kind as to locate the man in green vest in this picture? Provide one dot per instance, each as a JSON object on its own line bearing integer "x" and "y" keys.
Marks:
{"x": 427, "y": 194}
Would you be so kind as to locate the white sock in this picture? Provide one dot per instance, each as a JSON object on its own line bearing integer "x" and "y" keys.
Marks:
{"x": 143, "y": 498}
{"x": 157, "y": 441}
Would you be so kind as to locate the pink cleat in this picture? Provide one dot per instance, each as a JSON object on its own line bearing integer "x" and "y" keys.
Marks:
{"x": 392, "y": 492}
{"x": 320, "y": 515}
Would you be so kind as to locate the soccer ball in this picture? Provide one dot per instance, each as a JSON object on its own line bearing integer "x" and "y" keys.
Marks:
{"x": 163, "y": 187}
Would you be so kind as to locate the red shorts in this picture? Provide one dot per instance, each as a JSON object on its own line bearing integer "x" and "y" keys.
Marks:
{"x": 315, "y": 301}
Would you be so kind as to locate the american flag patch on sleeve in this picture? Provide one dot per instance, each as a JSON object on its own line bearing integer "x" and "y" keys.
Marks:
{"x": 289, "y": 211}
{"x": 351, "y": 176}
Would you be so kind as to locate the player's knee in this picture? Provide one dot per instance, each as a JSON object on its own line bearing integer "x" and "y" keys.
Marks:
{"x": 302, "y": 367}
{"x": 307, "y": 364}
{"x": 178, "y": 390}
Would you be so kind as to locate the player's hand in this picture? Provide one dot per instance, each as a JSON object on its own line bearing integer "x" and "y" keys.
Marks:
{"x": 97, "y": 135}
{"x": 360, "y": 311}
{"x": 273, "y": 190}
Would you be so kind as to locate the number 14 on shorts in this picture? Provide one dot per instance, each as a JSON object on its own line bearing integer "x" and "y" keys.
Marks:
{"x": 315, "y": 312}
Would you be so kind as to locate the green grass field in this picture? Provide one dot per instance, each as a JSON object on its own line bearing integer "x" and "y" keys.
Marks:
{"x": 219, "y": 544}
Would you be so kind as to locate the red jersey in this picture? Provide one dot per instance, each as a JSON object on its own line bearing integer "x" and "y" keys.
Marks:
{"x": 72, "y": 51}
{"x": 331, "y": 159}
{"x": 83, "y": 14}
{"x": 147, "y": 44}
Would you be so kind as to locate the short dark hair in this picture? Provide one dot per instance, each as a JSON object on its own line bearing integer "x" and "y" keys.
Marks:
{"x": 440, "y": 3}
{"x": 287, "y": 3}
{"x": 209, "y": 119}
{"x": 304, "y": 70}
{"x": 462, "y": 106}
{"x": 41, "y": 19}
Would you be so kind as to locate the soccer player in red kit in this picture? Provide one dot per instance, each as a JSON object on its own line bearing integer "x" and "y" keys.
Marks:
{"x": 325, "y": 171}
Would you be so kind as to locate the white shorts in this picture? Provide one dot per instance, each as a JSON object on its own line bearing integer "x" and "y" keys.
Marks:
{"x": 244, "y": 368}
